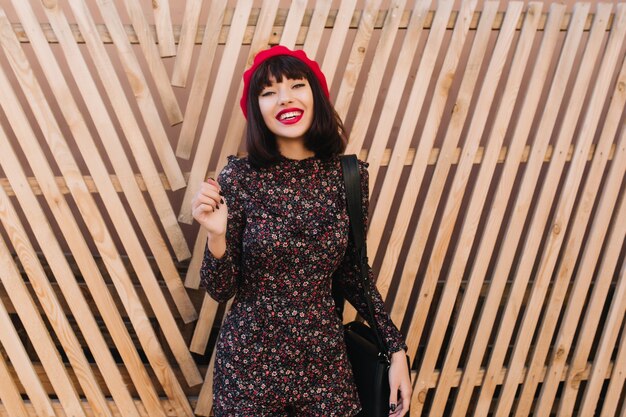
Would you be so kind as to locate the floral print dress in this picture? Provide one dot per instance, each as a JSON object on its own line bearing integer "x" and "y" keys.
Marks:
{"x": 281, "y": 344}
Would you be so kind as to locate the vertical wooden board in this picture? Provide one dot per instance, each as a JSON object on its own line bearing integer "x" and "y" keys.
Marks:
{"x": 149, "y": 48}
{"x": 164, "y": 30}
{"x": 337, "y": 37}
{"x": 293, "y": 23}
{"x": 612, "y": 396}
{"x": 459, "y": 184}
{"x": 38, "y": 334}
{"x": 582, "y": 216}
{"x": 396, "y": 164}
{"x": 216, "y": 107}
{"x": 187, "y": 41}
{"x": 382, "y": 57}
{"x": 140, "y": 89}
{"x": 200, "y": 84}
{"x": 498, "y": 208}
{"x": 612, "y": 325}
{"x": 383, "y": 130}
{"x": 9, "y": 395}
{"x": 91, "y": 156}
{"x": 508, "y": 247}
{"x": 86, "y": 203}
{"x": 91, "y": 215}
{"x": 316, "y": 27}
{"x": 128, "y": 123}
{"x": 357, "y": 56}
{"x": 532, "y": 241}
{"x": 205, "y": 398}
{"x": 204, "y": 326}
{"x": 10, "y": 340}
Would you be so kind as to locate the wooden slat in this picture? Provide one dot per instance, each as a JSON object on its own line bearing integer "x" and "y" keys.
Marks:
{"x": 500, "y": 201}
{"x": 10, "y": 340}
{"x": 105, "y": 127}
{"x": 612, "y": 396}
{"x": 457, "y": 189}
{"x": 200, "y": 84}
{"x": 539, "y": 222}
{"x": 111, "y": 200}
{"x": 39, "y": 336}
{"x": 383, "y": 130}
{"x": 137, "y": 83}
{"x": 164, "y": 30}
{"x": 215, "y": 110}
{"x": 151, "y": 177}
{"x": 316, "y": 27}
{"x": 358, "y": 51}
{"x": 293, "y": 23}
{"x": 338, "y": 37}
{"x": 186, "y": 43}
{"x": 10, "y": 397}
{"x": 149, "y": 48}
{"x": 583, "y": 214}
{"x": 517, "y": 220}
{"x": 84, "y": 200}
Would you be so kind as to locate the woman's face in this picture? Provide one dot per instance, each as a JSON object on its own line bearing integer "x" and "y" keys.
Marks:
{"x": 287, "y": 108}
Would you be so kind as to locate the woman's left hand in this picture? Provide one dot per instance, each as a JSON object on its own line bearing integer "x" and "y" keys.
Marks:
{"x": 399, "y": 380}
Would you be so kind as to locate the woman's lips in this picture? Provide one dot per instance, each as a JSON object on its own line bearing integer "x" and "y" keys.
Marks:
{"x": 290, "y": 116}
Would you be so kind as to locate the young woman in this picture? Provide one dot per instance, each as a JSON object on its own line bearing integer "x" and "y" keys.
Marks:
{"x": 278, "y": 234}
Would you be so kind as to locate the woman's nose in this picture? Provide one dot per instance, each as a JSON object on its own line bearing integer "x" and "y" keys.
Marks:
{"x": 284, "y": 96}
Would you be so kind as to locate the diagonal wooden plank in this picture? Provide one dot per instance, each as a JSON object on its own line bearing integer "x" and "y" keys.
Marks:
{"x": 582, "y": 216}
{"x": 148, "y": 46}
{"x": 187, "y": 42}
{"x": 371, "y": 90}
{"x": 316, "y": 27}
{"x": 200, "y": 84}
{"x": 164, "y": 30}
{"x": 38, "y": 334}
{"x": 216, "y": 108}
{"x": 9, "y": 395}
{"x": 341, "y": 27}
{"x": 612, "y": 396}
{"x": 132, "y": 132}
{"x": 297, "y": 8}
{"x": 111, "y": 200}
{"x": 461, "y": 178}
{"x": 10, "y": 340}
{"x": 522, "y": 206}
{"x": 539, "y": 220}
{"x": 74, "y": 237}
{"x": 112, "y": 144}
{"x": 138, "y": 85}
{"x": 513, "y": 159}
{"x": 87, "y": 206}
{"x": 358, "y": 51}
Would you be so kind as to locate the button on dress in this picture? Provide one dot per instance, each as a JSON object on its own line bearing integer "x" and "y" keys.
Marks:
{"x": 281, "y": 344}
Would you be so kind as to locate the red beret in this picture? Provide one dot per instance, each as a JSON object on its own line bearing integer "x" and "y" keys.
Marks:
{"x": 262, "y": 56}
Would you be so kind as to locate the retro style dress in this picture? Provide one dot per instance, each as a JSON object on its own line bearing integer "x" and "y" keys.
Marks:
{"x": 281, "y": 344}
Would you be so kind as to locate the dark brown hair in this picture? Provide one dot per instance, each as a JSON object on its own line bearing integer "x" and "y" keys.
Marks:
{"x": 326, "y": 136}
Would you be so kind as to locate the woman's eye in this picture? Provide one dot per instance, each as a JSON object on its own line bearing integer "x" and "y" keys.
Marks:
{"x": 298, "y": 85}
{"x": 266, "y": 93}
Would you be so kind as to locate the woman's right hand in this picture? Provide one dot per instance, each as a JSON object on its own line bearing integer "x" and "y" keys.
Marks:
{"x": 209, "y": 208}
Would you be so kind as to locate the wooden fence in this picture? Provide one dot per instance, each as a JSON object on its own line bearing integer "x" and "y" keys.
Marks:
{"x": 496, "y": 148}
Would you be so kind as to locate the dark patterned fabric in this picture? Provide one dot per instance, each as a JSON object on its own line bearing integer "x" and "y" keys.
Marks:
{"x": 281, "y": 345}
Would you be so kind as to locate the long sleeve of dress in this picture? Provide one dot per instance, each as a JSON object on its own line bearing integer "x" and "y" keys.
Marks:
{"x": 220, "y": 277}
{"x": 348, "y": 277}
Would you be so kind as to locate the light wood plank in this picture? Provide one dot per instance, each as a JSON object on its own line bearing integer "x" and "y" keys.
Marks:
{"x": 149, "y": 49}
{"x": 150, "y": 176}
{"x": 539, "y": 222}
{"x": 582, "y": 216}
{"x": 164, "y": 29}
{"x": 10, "y": 397}
{"x": 111, "y": 200}
{"x": 612, "y": 396}
{"x": 337, "y": 37}
{"x": 139, "y": 86}
{"x": 206, "y": 58}
{"x": 500, "y": 201}
{"x": 516, "y": 221}
{"x": 216, "y": 109}
{"x": 316, "y": 27}
{"x": 293, "y": 24}
{"x": 186, "y": 42}
{"x": 462, "y": 174}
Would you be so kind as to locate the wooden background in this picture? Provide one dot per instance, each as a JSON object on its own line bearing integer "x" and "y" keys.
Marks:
{"x": 494, "y": 134}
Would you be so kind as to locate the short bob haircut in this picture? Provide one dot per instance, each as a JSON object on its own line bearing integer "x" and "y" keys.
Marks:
{"x": 326, "y": 136}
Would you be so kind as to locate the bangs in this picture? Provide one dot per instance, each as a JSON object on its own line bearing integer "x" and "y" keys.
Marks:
{"x": 278, "y": 67}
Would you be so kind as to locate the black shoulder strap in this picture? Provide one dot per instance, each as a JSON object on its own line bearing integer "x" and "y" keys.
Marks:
{"x": 352, "y": 181}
